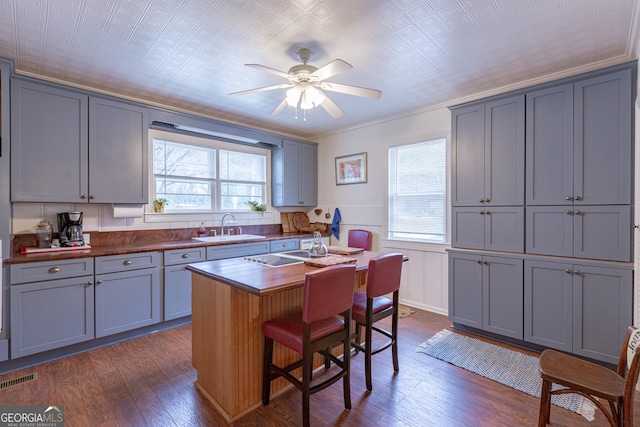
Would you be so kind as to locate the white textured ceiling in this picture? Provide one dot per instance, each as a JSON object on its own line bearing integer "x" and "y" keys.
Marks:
{"x": 190, "y": 54}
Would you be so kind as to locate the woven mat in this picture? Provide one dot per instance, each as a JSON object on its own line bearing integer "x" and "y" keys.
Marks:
{"x": 404, "y": 311}
{"x": 508, "y": 367}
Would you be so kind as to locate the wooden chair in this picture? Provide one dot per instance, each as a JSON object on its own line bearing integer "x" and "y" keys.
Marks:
{"x": 359, "y": 239}
{"x": 325, "y": 320}
{"x": 383, "y": 277}
{"x": 591, "y": 380}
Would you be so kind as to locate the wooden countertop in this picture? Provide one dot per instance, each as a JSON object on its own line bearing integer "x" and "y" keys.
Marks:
{"x": 259, "y": 279}
{"x": 138, "y": 246}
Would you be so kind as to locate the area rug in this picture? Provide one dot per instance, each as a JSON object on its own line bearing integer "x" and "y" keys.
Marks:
{"x": 404, "y": 311}
{"x": 511, "y": 368}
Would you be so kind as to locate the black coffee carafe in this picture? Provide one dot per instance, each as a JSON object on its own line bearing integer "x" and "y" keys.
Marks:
{"x": 70, "y": 229}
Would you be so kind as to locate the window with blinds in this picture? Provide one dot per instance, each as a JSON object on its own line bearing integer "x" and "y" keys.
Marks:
{"x": 417, "y": 191}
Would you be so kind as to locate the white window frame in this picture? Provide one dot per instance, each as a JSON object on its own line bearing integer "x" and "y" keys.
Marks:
{"x": 447, "y": 207}
{"x": 205, "y": 215}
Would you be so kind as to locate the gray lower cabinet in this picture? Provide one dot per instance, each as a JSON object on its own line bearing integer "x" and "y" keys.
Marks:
{"x": 127, "y": 292}
{"x": 495, "y": 228}
{"x": 177, "y": 281}
{"x": 579, "y": 308}
{"x": 485, "y": 292}
{"x": 238, "y": 250}
{"x": 52, "y": 305}
{"x": 596, "y": 232}
{"x": 284, "y": 245}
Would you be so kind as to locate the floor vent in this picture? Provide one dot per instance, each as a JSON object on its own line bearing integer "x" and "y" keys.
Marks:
{"x": 17, "y": 381}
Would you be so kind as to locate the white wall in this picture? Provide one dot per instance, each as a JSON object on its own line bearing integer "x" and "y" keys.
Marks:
{"x": 424, "y": 283}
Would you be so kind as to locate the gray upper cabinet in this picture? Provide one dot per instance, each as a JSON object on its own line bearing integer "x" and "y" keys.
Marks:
{"x": 49, "y": 143}
{"x": 69, "y": 147}
{"x": 579, "y": 142}
{"x": 496, "y": 228}
{"x": 488, "y": 153}
{"x": 294, "y": 174}
{"x": 118, "y": 152}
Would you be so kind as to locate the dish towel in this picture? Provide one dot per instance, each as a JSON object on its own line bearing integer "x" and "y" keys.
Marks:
{"x": 335, "y": 225}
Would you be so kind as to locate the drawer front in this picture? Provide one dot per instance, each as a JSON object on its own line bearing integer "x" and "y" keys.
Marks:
{"x": 237, "y": 250}
{"x": 284, "y": 245}
{"x": 185, "y": 256}
{"x": 136, "y": 261}
{"x": 50, "y": 270}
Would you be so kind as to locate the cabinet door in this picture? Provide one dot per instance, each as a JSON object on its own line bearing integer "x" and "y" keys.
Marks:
{"x": 118, "y": 152}
{"x": 603, "y": 126}
{"x": 177, "y": 292}
{"x": 502, "y": 296}
{"x": 465, "y": 289}
{"x": 467, "y": 156}
{"x": 504, "y": 152}
{"x": 127, "y": 300}
{"x": 549, "y": 230}
{"x": 602, "y": 311}
{"x": 51, "y": 314}
{"x": 504, "y": 228}
{"x": 548, "y": 303}
{"x": 549, "y": 146}
{"x": 602, "y": 232}
{"x": 48, "y": 144}
{"x": 467, "y": 227}
{"x": 294, "y": 174}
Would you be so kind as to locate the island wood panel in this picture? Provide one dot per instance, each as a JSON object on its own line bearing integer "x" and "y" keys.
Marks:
{"x": 228, "y": 342}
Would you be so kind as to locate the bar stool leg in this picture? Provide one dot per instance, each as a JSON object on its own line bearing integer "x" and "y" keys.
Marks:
{"x": 545, "y": 404}
{"x": 266, "y": 371}
{"x": 367, "y": 354}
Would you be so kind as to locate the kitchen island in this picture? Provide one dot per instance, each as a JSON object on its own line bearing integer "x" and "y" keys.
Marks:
{"x": 231, "y": 298}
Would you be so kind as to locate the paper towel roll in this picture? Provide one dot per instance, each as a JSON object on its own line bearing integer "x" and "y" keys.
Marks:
{"x": 127, "y": 211}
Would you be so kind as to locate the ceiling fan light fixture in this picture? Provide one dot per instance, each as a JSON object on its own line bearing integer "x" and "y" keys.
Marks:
{"x": 293, "y": 96}
{"x": 311, "y": 98}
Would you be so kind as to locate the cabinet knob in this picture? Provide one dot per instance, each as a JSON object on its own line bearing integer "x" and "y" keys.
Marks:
{"x": 481, "y": 200}
{"x": 185, "y": 256}
{"x": 90, "y": 283}
{"x": 479, "y": 261}
{"x": 577, "y": 272}
{"x": 284, "y": 245}
{"x": 569, "y": 212}
{"x": 487, "y": 212}
{"x": 578, "y": 198}
{"x": 84, "y": 196}
{"x": 487, "y": 200}
{"x": 127, "y": 262}
{"x": 54, "y": 270}
{"x": 481, "y": 212}
{"x": 98, "y": 282}
{"x": 568, "y": 271}
{"x": 485, "y": 262}
{"x": 92, "y": 197}
{"x": 569, "y": 198}
{"x": 578, "y": 212}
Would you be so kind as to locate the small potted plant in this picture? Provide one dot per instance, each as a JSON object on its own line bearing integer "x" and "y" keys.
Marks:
{"x": 159, "y": 204}
{"x": 257, "y": 207}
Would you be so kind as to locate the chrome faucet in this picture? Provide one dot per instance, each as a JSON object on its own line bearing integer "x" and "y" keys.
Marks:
{"x": 233, "y": 221}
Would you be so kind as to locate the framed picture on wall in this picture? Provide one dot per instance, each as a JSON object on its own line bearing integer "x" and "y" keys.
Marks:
{"x": 351, "y": 169}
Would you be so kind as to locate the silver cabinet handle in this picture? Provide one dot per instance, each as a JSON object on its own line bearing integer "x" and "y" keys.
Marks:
{"x": 127, "y": 262}
{"x": 185, "y": 256}
{"x": 569, "y": 212}
{"x": 487, "y": 200}
{"x": 98, "y": 282}
{"x": 567, "y": 270}
{"x": 54, "y": 270}
{"x": 84, "y": 196}
{"x": 578, "y": 212}
{"x": 481, "y": 212}
{"x": 481, "y": 200}
{"x": 577, "y": 272}
{"x": 569, "y": 198}
{"x": 578, "y": 198}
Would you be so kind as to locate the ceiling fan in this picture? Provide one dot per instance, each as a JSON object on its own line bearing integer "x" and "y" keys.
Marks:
{"x": 306, "y": 84}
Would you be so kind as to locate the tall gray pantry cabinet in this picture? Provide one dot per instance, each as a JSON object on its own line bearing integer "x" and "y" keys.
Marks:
{"x": 568, "y": 170}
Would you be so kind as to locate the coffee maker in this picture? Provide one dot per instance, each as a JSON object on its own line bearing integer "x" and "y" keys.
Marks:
{"x": 70, "y": 229}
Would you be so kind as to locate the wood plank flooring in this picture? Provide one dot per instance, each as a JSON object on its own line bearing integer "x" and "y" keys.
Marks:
{"x": 148, "y": 381}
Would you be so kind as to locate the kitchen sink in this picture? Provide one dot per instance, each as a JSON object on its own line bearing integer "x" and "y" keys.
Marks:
{"x": 229, "y": 238}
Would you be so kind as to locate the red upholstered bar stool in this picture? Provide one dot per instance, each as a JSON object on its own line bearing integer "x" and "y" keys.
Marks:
{"x": 325, "y": 320}
{"x": 383, "y": 277}
{"x": 359, "y": 239}
{"x": 594, "y": 382}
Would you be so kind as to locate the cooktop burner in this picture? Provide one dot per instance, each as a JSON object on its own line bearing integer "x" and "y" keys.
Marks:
{"x": 272, "y": 260}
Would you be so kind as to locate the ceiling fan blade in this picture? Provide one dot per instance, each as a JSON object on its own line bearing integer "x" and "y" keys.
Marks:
{"x": 352, "y": 90}
{"x": 332, "y": 108}
{"x": 269, "y": 70}
{"x": 262, "y": 89}
{"x": 331, "y": 69}
{"x": 280, "y": 107}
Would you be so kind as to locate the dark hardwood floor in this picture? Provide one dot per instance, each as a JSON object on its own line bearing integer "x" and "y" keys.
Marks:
{"x": 148, "y": 381}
